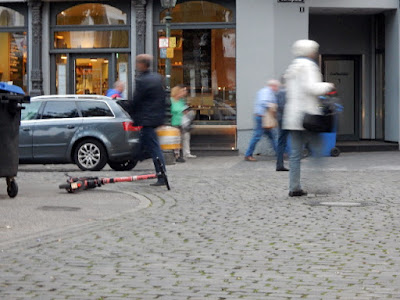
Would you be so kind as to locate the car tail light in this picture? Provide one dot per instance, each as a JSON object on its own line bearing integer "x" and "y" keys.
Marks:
{"x": 129, "y": 126}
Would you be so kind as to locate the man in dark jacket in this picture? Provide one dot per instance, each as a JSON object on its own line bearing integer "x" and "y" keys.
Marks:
{"x": 147, "y": 109}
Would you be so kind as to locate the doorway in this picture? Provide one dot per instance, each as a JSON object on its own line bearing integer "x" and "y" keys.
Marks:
{"x": 344, "y": 71}
{"x": 87, "y": 73}
{"x": 91, "y": 74}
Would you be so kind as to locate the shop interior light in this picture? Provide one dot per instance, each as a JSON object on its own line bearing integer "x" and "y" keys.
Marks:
{"x": 93, "y": 59}
{"x": 106, "y": 61}
{"x": 59, "y": 37}
{"x": 63, "y": 57}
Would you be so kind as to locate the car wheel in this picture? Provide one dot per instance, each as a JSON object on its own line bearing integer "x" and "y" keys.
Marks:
{"x": 90, "y": 155}
{"x": 123, "y": 166}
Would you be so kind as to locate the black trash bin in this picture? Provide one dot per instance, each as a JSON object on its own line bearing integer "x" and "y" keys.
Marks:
{"x": 11, "y": 99}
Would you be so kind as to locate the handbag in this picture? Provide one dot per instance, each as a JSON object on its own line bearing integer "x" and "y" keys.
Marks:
{"x": 318, "y": 123}
{"x": 268, "y": 120}
{"x": 324, "y": 122}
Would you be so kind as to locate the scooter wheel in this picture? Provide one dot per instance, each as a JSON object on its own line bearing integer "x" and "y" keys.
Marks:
{"x": 67, "y": 187}
{"x": 12, "y": 189}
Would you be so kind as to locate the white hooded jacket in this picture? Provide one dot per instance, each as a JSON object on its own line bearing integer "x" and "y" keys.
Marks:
{"x": 303, "y": 85}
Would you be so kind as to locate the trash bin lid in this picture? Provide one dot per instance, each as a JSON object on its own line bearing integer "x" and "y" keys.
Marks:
{"x": 4, "y": 87}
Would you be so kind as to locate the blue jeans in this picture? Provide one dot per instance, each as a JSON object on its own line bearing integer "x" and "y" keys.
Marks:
{"x": 299, "y": 138}
{"x": 282, "y": 141}
{"x": 149, "y": 143}
{"x": 258, "y": 132}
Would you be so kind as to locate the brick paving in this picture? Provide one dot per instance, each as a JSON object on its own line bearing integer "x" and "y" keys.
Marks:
{"x": 226, "y": 230}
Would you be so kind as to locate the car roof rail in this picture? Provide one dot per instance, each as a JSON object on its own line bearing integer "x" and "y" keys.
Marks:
{"x": 72, "y": 96}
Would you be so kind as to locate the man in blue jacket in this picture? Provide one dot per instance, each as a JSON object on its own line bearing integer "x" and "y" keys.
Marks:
{"x": 147, "y": 109}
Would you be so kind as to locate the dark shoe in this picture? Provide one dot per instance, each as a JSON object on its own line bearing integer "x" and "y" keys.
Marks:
{"x": 282, "y": 169}
{"x": 250, "y": 158}
{"x": 297, "y": 193}
{"x": 158, "y": 183}
{"x": 180, "y": 159}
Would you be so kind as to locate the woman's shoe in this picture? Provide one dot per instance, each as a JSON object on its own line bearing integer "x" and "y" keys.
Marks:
{"x": 298, "y": 193}
{"x": 191, "y": 156}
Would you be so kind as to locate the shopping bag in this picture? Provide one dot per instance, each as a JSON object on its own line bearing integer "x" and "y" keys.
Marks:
{"x": 269, "y": 120}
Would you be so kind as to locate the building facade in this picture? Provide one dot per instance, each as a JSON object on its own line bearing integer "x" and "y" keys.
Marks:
{"x": 222, "y": 50}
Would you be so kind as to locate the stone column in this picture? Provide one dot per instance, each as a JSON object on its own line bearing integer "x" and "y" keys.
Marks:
{"x": 140, "y": 9}
{"x": 35, "y": 7}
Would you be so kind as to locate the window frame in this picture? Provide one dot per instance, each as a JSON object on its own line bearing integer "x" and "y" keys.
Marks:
{"x": 58, "y": 7}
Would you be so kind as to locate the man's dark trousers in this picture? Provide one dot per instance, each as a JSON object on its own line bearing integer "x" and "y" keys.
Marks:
{"x": 149, "y": 142}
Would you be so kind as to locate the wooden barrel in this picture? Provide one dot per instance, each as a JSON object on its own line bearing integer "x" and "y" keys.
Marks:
{"x": 169, "y": 137}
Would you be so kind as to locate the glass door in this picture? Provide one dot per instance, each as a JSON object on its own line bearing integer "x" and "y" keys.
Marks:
{"x": 91, "y": 74}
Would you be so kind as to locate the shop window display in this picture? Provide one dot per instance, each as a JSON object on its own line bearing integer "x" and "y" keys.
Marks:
{"x": 13, "y": 49}
{"x": 204, "y": 60}
{"x": 90, "y": 26}
{"x": 91, "y": 14}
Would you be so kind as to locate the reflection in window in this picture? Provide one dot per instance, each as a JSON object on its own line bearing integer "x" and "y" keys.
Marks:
{"x": 205, "y": 61}
{"x": 13, "y": 58}
{"x": 30, "y": 111}
{"x": 94, "y": 109}
{"x": 59, "y": 110}
{"x": 61, "y": 74}
{"x": 10, "y": 18}
{"x": 123, "y": 72}
{"x": 91, "y": 39}
{"x": 199, "y": 12}
{"x": 91, "y": 14}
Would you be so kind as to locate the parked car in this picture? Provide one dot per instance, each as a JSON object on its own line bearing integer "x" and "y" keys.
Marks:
{"x": 87, "y": 130}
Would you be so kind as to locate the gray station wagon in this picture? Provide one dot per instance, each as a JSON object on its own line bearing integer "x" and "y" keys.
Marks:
{"x": 87, "y": 130}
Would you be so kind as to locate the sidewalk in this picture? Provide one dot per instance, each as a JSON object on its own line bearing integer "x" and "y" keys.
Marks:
{"x": 226, "y": 230}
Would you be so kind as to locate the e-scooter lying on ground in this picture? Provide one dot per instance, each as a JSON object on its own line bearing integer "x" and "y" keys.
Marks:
{"x": 84, "y": 183}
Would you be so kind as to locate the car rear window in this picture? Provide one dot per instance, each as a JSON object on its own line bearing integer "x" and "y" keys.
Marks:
{"x": 94, "y": 109}
{"x": 59, "y": 110}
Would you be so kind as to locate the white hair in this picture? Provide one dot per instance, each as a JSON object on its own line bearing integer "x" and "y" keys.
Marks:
{"x": 305, "y": 48}
{"x": 273, "y": 82}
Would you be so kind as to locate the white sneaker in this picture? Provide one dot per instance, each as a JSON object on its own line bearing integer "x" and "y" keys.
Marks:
{"x": 191, "y": 156}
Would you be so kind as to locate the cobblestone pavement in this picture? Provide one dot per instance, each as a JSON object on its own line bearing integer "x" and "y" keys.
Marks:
{"x": 226, "y": 230}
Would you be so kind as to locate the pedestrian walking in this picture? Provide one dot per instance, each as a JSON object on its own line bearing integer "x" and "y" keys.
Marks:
{"x": 116, "y": 92}
{"x": 265, "y": 99}
{"x": 147, "y": 109}
{"x": 180, "y": 119}
{"x": 282, "y": 133}
{"x": 303, "y": 84}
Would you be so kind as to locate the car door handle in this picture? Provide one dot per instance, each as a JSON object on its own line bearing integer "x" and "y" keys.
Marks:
{"x": 70, "y": 126}
{"x": 26, "y": 129}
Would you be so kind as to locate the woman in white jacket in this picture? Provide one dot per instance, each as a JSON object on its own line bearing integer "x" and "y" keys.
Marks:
{"x": 304, "y": 85}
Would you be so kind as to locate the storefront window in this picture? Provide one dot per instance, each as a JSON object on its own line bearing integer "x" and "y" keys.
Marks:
{"x": 199, "y": 12}
{"x": 10, "y": 18}
{"x": 61, "y": 74}
{"x": 122, "y": 71}
{"x": 204, "y": 60}
{"x": 13, "y": 49}
{"x": 91, "y": 39}
{"x": 86, "y": 27}
{"x": 91, "y": 14}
